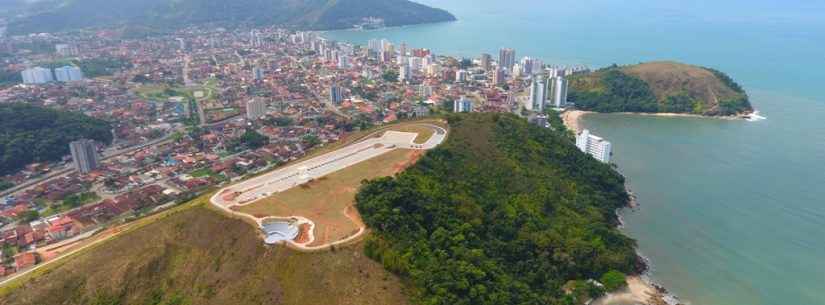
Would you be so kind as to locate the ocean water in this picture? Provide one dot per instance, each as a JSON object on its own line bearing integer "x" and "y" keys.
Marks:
{"x": 733, "y": 212}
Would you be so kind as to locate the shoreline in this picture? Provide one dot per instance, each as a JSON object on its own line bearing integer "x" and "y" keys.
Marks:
{"x": 641, "y": 289}
{"x": 572, "y": 118}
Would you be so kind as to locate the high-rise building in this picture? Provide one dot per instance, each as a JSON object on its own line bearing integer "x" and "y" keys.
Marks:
{"x": 402, "y": 49}
{"x": 538, "y": 95}
{"x": 66, "y": 50}
{"x": 499, "y": 77}
{"x": 68, "y": 74}
{"x": 507, "y": 58}
{"x": 462, "y": 105}
{"x": 595, "y": 146}
{"x": 404, "y": 73}
{"x": 557, "y": 89}
{"x": 336, "y": 95}
{"x": 375, "y": 45}
{"x": 37, "y": 75}
{"x": 257, "y": 73}
{"x": 84, "y": 155}
{"x": 461, "y": 76}
{"x": 343, "y": 62}
{"x": 486, "y": 62}
{"x": 255, "y": 109}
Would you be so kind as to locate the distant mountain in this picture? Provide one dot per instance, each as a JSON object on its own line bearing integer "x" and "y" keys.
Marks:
{"x": 302, "y": 14}
{"x": 659, "y": 87}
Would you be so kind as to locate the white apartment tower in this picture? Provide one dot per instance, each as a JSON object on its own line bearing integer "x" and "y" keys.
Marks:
{"x": 595, "y": 146}
{"x": 255, "y": 109}
{"x": 538, "y": 95}
{"x": 557, "y": 89}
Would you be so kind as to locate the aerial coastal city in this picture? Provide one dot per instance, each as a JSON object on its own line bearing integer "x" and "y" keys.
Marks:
{"x": 367, "y": 152}
{"x": 295, "y": 90}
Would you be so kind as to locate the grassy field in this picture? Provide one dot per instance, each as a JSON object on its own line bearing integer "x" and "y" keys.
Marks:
{"x": 328, "y": 201}
{"x": 197, "y": 256}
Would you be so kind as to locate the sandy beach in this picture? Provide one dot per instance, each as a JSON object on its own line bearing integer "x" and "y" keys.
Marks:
{"x": 637, "y": 292}
{"x": 572, "y": 119}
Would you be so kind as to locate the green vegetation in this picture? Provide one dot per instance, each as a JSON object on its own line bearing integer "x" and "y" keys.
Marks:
{"x": 613, "y": 280}
{"x": 4, "y": 185}
{"x": 96, "y": 67}
{"x": 145, "y": 17}
{"x": 659, "y": 87}
{"x": 28, "y": 216}
{"x": 10, "y": 77}
{"x": 197, "y": 256}
{"x": 390, "y": 75}
{"x": 35, "y": 134}
{"x": 254, "y": 140}
{"x": 504, "y": 212}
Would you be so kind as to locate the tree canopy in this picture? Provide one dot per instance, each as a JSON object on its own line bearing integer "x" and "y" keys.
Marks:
{"x": 504, "y": 212}
{"x": 33, "y": 134}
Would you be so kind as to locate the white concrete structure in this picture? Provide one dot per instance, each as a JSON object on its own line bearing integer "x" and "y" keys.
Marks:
{"x": 68, "y": 74}
{"x": 37, "y": 75}
{"x": 557, "y": 90}
{"x": 538, "y": 95}
{"x": 595, "y": 146}
{"x": 255, "y": 109}
{"x": 462, "y": 105}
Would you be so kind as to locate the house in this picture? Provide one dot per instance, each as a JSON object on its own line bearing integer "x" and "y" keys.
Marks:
{"x": 25, "y": 260}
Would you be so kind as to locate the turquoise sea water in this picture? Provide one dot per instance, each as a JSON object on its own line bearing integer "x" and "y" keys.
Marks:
{"x": 733, "y": 212}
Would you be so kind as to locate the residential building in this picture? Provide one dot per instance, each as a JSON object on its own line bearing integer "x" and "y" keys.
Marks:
{"x": 557, "y": 89}
{"x": 336, "y": 95}
{"x": 462, "y": 105}
{"x": 68, "y": 74}
{"x": 37, "y": 75}
{"x": 538, "y": 95}
{"x": 595, "y": 146}
{"x": 255, "y": 109}
{"x": 66, "y": 50}
{"x": 404, "y": 73}
{"x": 257, "y": 73}
{"x": 486, "y": 62}
{"x": 84, "y": 155}
{"x": 507, "y": 58}
{"x": 499, "y": 77}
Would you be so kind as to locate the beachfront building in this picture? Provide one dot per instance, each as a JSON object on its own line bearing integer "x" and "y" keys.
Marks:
{"x": 538, "y": 95}
{"x": 595, "y": 146}
{"x": 557, "y": 89}
{"x": 507, "y": 58}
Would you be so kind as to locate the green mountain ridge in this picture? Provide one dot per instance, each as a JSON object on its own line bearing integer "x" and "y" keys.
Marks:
{"x": 504, "y": 212}
{"x": 659, "y": 87}
{"x": 299, "y": 14}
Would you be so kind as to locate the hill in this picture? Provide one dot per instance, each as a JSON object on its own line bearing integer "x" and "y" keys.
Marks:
{"x": 659, "y": 87}
{"x": 504, "y": 212}
{"x": 197, "y": 256}
{"x": 33, "y": 134}
{"x": 301, "y": 14}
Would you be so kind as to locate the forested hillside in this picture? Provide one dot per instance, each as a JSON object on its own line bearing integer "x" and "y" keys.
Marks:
{"x": 503, "y": 213}
{"x": 34, "y": 134}
{"x": 659, "y": 87}
{"x": 303, "y": 14}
